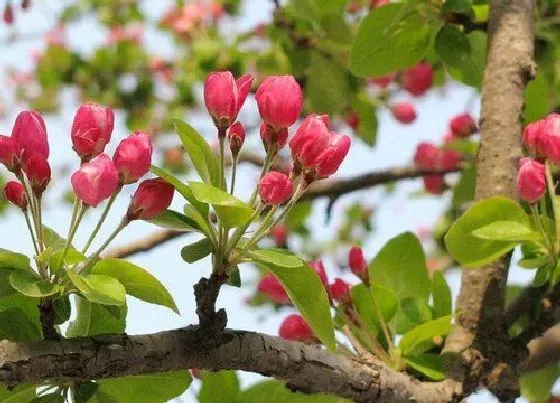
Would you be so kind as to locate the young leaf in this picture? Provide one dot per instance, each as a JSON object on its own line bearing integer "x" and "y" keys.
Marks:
{"x": 277, "y": 257}
{"x": 367, "y": 127}
{"x": 137, "y": 282}
{"x": 15, "y": 326}
{"x": 196, "y": 250}
{"x": 62, "y": 309}
{"x": 452, "y": 46}
{"x": 430, "y": 365}
{"x": 441, "y": 294}
{"x": 365, "y": 304}
{"x": 94, "y": 319}
{"x": 536, "y": 386}
{"x": 100, "y": 289}
{"x": 31, "y": 285}
{"x": 19, "y": 394}
{"x": 5, "y": 288}
{"x": 28, "y": 312}
{"x": 507, "y": 231}
{"x": 471, "y": 251}
{"x": 13, "y": 260}
{"x": 276, "y": 392}
{"x": 176, "y": 221}
{"x": 420, "y": 338}
{"x": 323, "y": 98}
{"x": 219, "y": 387}
{"x": 471, "y": 72}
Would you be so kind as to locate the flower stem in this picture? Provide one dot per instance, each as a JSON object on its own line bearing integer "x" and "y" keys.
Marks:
{"x": 555, "y": 204}
{"x": 80, "y": 211}
{"x": 124, "y": 222}
{"x": 30, "y": 228}
{"x": 39, "y": 211}
{"x": 101, "y": 220}
{"x": 233, "y": 172}
{"x": 382, "y": 323}
{"x": 241, "y": 230}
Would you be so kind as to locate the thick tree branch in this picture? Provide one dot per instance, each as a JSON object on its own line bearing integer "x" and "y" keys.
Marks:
{"x": 304, "y": 367}
{"x": 479, "y": 339}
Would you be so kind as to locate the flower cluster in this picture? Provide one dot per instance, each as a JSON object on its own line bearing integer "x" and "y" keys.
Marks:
{"x": 188, "y": 18}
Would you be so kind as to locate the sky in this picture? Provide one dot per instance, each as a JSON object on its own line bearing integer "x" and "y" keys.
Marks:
{"x": 396, "y": 213}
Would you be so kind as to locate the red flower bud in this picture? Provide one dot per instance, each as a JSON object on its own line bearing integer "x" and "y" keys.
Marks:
{"x": 357, "y": 263}
{"x": 9, "y": 152}
{"x": 279, "y": 100}
{"x": 275, "y": 188}
{"x": 531, "y": 180}
{"x": 353, "y": 120}
{"x": 418, "y": 79}
{"x": 434, "y": 184}
{"x": 96, "y": 180}
{"x": 271, "y": 136}
{"x": 383, "y": 81}
{"x": 91, "y": 130}
{"x": 551, "y": 133}
{"x": 463, "y": 125}
{"x": 152, "y": 197}
{"x": 534, "y": 138}
{"x": 319, "y": 268}
{"x": 295, "y": 328}
{"x": 133, "y": 157}
{"x": 224, "y": 97}
{"x": 404, "y": 112}
{"x": 340, "y": 291}
{"x": 427, "y": 156}
{"x": 25, "y": 4}
{"x": 236, "y": 137}
{"x": 280, "y": 235}
{"x": 270, "y": 286}
{"x": 30, "y": 133}
{"x": 14, "y": 192}
{"x": 310, "y": 140}
{"x": 38, "y": 171}
{"x": 450, "y": 159}
{"x": 9, "y": 14}
{"x": 328, "y": 162}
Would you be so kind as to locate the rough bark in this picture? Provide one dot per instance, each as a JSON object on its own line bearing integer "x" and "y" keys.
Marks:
{"x": 479, "y": 339}
{"x": 304, "y": 367}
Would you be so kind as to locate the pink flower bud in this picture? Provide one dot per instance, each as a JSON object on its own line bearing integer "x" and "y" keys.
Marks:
{"x": 38, "y": 171}
{"x": 310, "y": 140}
{"x": 404, "y": 112}
{"x": 463, "y": 125}
{"x": 357, "y": 263}
{"x": 133, "y": 157}
{"x": 275, "y": 188}
{"x": 96, "y": 180}
{"x": 531, "y": 180}
{"x": 295, "y": 328}
{"x": 271, "y": 136}
{"x": 152, "y": 197}
{"x": 319, "y": 268}
{"x": 551, "y": 133}
{"x": 450, "y": 159}
{"x": 534, "y": 138}
{"x": 270, "y": 286}
{"x": 434, "y": 184}
{"x": 328, "y": 162}
{"x": 340, "y": 291}
{"x": 224, "y": 96}
{"x": 9, "y": 152}
{"x": 14, "y": 192}
{"x": 91, "y": 130}
{"x": 427, "y": 156}
{"x": 9, "y": 14}
{"x": 236, "y": 137}
{"x": 280, "y": 235}
{"x": 279, "y": 100}
{"x": 30, "y": 133}
{"x": 383, "y": 81}
{"x": 418, "y": 79}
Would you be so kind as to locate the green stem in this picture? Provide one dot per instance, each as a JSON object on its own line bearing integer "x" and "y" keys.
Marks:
{"x": 39, "y": 211}
{"x": 555, "y": 206}
{"x": 241, "y": 230}
{"x": 233, "y": 172}
{"x": 382, "y": 323}
{"x": 222, "y": 164}
{"x": 549, "y": 244}
{"x": 124, "y": 222}
{"x": 101, "y": 220}
{"x": 29, "y": 226}
{"x": 73, "y": 229}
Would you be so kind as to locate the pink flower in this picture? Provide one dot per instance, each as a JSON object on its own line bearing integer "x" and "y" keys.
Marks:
{"x": 340, "y": 291}
{"x": 96, "y": 180}
{"x": 531, "y": 180}
{"x": 551, "y": 134}
{"x": 279, "y": 100}
{"x": 295, "y": 328}
{"x": 463, "y": 125}
{"x": 91, "y": 130}
{"x": 434, "y": 184}
{"x": 275, "y": 188}
{"x": 328, "y": 162}
{"x": 271, "y": 136}
{"x": 30, "y": 133}
{"x": 8, "y": 14}
{"x": 418, "y": 79}
{"x": 427, "y": 156}
{"x": 270, "y": 286}
{"x": 534, "y": 138}
{"x": 133, "y": 157}
{"x": 450, "y": 159}
{"x": 224, "y": 96}
{"x": 236, "y": 137}
{"x": 310, "y": 140}
{"x": 357, "y": 262}
{"x": 9, "y": 152}
{"x": 152, "y": 197}
{"x": 15, "y": 193}
{"x": 319, "y": 268}
{"x": 404, "y": 112}
{"x": 37, "y": 170}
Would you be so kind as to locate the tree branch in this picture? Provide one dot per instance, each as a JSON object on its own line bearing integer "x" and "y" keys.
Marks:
{"x": 543, "y": 351}
{"x": 307, "y": 368}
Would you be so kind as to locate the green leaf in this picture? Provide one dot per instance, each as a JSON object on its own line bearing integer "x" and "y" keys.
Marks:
{"x": 5, "y": 288}
{"x": 297, "y": 216}
{"x": 176, "y": 221}
{"x": 367, "y": 128}
{"x": 536, "y": 386}
{"x": 13, "y": 260}
{"x": 203, "y": 158}
{"x": 401, "y": 266}
{"x": 472, "y": 71}
{"x": 441, "y": 295}
{"x": 541, "y": 276}
{"x": 16, "y": 326}
{"x": 276, "y": 392}
{"x": 363, "y": 301}
{"x": 196, "y": 250}
{"x": 534, "y": 263}
{"x": 219, "y": 387}
{"x": 100, "y": 289}
{"x": 137, "y": 282}
{"x": 55, "y": 397}
{"x": 431, "y": 365}
{"x": 20, "y": 394}
{"x": 463, "y": 192}
{"x": 452, "y": 46}
{"x": 421, "y": 337}
{"x": 387, "y": 42}
{"x": 62, "y": 309}
{"x": 152, "y": 388}
{"x": 274, "y": 256}
{"x": 234, "y": 278}
{"x": 416, "y": 311}
{"x": 458, "y": 7}
{"x": 323, "y": 98}
{"x": 537, "y": 103}
{"x": 305, "y": 289}
{"x": 30, "y": 284}
{"x": 507, "y": 231}
{"x": 231, "y": 211}
{"x": 28, "y": 313}
{"x": 95, "y": 319}
{"x": 471, "y": 251}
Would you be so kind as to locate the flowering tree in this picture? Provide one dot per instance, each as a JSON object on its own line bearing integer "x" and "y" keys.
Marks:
{"x": 319, "y": 69}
